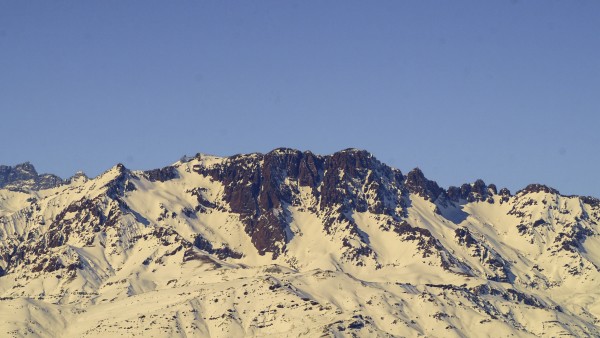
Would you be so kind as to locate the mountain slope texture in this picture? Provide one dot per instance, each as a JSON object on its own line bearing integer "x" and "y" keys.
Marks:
{"x": 290, "y": 244}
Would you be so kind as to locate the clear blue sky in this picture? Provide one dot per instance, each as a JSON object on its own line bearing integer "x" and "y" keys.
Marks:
{"x": 506, "y": 91}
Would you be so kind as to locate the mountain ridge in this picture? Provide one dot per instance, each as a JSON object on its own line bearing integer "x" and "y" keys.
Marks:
{"x": 339, "y": 245}
{"x": 6, "y": 182}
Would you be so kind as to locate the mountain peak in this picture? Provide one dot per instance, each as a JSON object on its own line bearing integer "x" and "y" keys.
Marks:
{"x": 536, "y": 188}
{"x": 353, "y": 150}
{"x": 24, "y": 176}
{"x": 284, "y": 151}
{"x": 417, "y": 183}
{"x": 26, "y": 167}
{"x": 338, "y": 244}
{"x": 79, "y": 176}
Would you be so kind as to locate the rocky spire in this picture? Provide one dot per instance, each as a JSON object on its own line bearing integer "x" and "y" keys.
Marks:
{"x": 417, "y": 183}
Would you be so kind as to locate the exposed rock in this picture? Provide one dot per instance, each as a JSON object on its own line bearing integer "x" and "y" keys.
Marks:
{"x": 592, "y": 201}
{"x": 476, "y": 192}
{"x": 254, "y": 189}
{"x": 354, "y": 179}
{"x": 121, "y": 183}
{"x": 504, "y": 195}
{"x": 23, "y": 177}
{"x": 224, "y": 252}
{"x": 20, "y": 172}
{"x": 338, "y": 226}
{"x": 418, "y": 184}
{"x": 428, "y": 246}
{"x": 47, "y": 181}
{"x": 260, "y": 188}
{"x": 79, "y": 176}
{"x": 535, "y": 188}
{"x": 509, "y": 295}
{"x": 161, "y": 175}
{"x": 454, "y": 193}
{"x": 572, "y": 240}
{"x": 487, "y": 255}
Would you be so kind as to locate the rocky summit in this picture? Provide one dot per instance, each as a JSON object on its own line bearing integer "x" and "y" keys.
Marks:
{"x": 290, "y": 244}
{"x": 23, "y": 177}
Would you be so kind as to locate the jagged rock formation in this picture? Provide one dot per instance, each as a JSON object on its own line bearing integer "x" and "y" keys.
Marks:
{"x": 24, "y": 177}
{"x": 292, "y": 243}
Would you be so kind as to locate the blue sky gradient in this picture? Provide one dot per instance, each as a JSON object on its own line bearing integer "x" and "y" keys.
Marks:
{"x": 506, "y": 91}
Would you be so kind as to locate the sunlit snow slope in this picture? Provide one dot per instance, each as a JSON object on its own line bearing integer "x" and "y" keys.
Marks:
{"x": 290, "y": 244}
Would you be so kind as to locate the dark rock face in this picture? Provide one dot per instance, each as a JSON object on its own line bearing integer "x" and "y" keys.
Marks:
{"x": 255, "y": 189}
{"x": 534, "y": 188}
{"x": 454, "y": 193}
{"x": 123, "y": 182}
{"x": 476, "y": 192}
{"x": 47, "y": 181}
{"x": 161, "y": 175}
{"x": 355, "y": 180}
{"x": 504, "y": 195}
{"x": 592, "y": 201}
{"x": 24, "y": 176}
{"x": 418, "y": 184}
{"x": 464, "y": 237}
{"x": 260, "y": 188}
{"x": 479, "y": 188}
{"x": 224, "y": 252}
{"x": 20, "y": 172}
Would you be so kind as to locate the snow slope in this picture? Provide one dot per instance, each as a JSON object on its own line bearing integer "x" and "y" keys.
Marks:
{"x": 293, "y": 244}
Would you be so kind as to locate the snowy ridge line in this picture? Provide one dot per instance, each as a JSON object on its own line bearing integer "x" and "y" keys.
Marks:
{"x": 290, "y": 243}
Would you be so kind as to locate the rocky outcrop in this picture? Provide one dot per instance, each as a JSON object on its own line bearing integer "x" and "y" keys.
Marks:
{"x": 20, "y": 172}
{"x": 356, "y": 181}
{"x": 417, "y": 183}
{"x": 536, "y": 188}
{"x": 488, "y": 257}
{"x": 260, "y": 188}
{"x": 223, "y": 252}
{"x": 475, "y": 192}
{"x": 79, "y": 176}
{"x": 22, "y": 177}
{"x": 161, "y": 175}
{"x": 254, "y": 188}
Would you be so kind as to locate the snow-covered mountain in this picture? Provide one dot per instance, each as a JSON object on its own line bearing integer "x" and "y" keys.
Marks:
{"x": 288, "y": 244}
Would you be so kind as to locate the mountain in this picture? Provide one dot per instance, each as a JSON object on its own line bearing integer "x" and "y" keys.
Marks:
{"x": 23, "y": 177}
{"x": 291, "y": 243}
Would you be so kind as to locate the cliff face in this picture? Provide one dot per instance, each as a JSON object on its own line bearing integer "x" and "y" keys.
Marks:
{"x": 261, "y": 188}
{"x": 290, "y": 241}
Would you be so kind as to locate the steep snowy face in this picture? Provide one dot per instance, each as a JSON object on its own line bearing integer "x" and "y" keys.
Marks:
{"x": 292, "y": 243}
